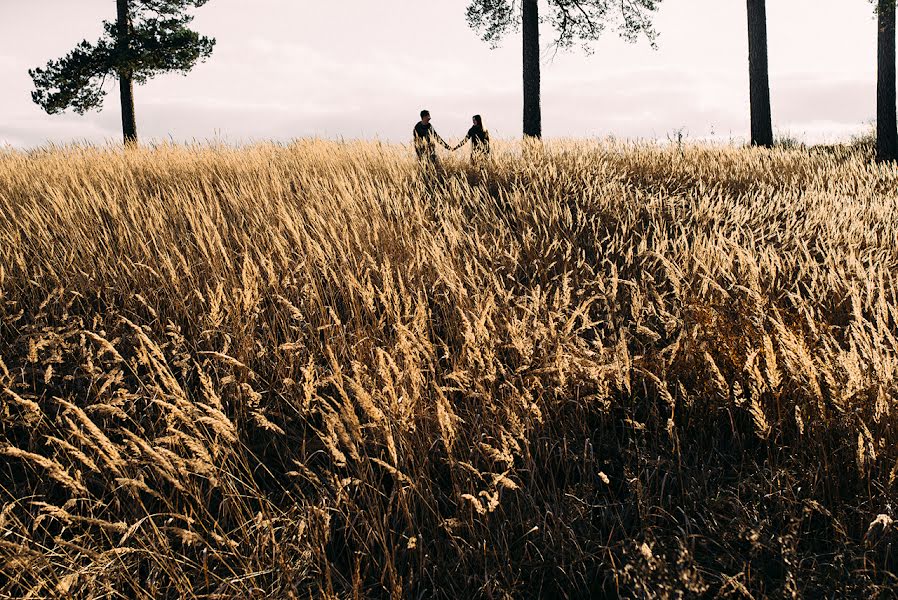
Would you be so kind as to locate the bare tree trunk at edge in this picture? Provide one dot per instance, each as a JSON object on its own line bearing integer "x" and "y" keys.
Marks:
{"x": 886, "y": 126}
{"x": 759, "y": 78}
{"x": 532, "y": 111}
{"x": 126, "y": 82}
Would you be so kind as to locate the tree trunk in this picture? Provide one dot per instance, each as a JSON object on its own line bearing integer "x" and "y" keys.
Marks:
{"x": 126, "y": 82}
{"x": 886, "y": 126}
{"x": 532, "y": 112}
{"x": 759, "y": 78}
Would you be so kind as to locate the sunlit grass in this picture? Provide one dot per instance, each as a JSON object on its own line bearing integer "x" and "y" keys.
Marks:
{"x": 584, "y": 369}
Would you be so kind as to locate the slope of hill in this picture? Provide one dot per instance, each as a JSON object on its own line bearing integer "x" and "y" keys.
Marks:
{"x": 588, "y": 370}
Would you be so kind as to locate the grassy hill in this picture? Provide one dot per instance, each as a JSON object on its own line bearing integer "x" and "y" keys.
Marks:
{"x": 588, "y": 370}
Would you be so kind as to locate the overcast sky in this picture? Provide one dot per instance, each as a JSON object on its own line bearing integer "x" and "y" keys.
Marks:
{"x": 363, "y": 69}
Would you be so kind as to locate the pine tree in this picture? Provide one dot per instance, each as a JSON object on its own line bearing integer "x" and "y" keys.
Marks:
{"x": 148, "y": 38}
{"x": 759, "y": 77}
{"x": 574, "y": 21}
{"x": 886, "y": 125}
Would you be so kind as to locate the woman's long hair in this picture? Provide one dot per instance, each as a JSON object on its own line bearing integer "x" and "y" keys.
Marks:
{"x": 479, "y": 121}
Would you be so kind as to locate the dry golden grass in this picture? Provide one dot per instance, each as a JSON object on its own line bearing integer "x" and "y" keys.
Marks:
{"x": 587, "y": 370}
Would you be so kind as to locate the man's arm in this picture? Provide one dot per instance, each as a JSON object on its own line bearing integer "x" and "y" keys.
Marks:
{"x": 437, "y": 137}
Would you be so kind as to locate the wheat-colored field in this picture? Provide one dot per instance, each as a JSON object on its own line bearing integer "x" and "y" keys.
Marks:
{"x": 584, "y": 370}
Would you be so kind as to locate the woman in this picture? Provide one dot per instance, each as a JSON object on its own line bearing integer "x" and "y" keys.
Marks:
{"x": 480, "y": 140}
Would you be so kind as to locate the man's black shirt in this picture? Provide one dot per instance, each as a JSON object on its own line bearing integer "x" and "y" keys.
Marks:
{"x": 426, "y": 139}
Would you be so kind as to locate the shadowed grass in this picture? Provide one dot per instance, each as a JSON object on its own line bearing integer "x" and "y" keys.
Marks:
{"x": 587, "y": 370}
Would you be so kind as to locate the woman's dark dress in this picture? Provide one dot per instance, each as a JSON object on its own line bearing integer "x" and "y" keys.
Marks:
{"x": 480, "y": 142}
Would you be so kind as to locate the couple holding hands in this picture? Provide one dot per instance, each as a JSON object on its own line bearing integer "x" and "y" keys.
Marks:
{"x": 426, "y": 140}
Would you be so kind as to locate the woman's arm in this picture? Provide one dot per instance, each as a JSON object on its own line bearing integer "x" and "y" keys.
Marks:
{"x": 463, "y": 142}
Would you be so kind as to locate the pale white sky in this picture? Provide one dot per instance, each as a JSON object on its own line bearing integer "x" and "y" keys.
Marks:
{"x": 364, "y": 68}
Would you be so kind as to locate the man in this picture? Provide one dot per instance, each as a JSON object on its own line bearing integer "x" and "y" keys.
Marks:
{"x": 426, "y": 139}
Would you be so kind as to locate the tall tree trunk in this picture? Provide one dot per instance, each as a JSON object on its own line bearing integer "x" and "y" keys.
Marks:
{"x": 126, "y": 82}
{"x": 886, "y": 126}
{"x": 759, "y": 78}
{"x": 532, "y": 111}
